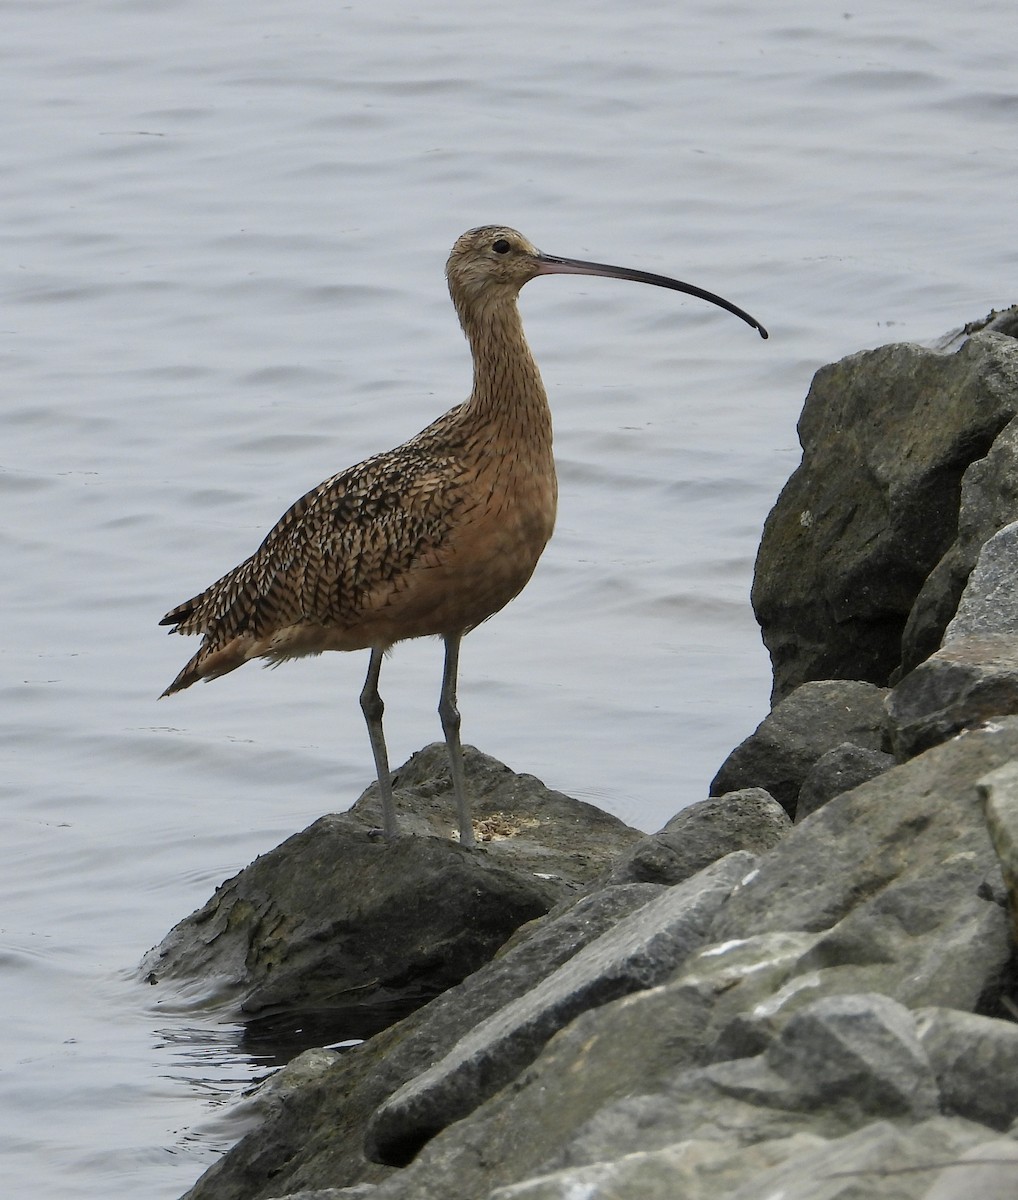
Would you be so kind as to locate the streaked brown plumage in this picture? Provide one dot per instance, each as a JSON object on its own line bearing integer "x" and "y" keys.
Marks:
{"x": 431, "y": 538}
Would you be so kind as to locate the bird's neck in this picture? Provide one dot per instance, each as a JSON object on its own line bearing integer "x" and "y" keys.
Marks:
{"x": 508, "y": 397}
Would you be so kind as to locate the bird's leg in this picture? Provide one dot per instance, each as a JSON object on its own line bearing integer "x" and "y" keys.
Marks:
{"x": 450, "y": 717}
{"x": 372, "y": 707}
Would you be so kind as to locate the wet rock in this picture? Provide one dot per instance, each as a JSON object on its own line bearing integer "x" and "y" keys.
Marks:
{"x": 839, "y": 770}
{"x": 320, "y": 1131}
{"x": 637, "y": 953}
{"x": 335, "y": 930}
{"x": 750, "y": 819}
{"x": 887, "y": 435}
{"x": 797, "y": 732}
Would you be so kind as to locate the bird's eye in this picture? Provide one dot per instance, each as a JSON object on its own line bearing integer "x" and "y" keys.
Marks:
{"x": 501, "y": 246}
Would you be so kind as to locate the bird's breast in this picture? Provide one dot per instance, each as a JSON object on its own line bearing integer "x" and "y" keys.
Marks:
{"x": 499, "y": 523}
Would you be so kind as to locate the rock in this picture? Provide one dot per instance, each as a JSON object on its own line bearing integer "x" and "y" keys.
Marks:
{"x": 999, "y": 790}
{"x": 988, "y": 1171}
{"x": 674, "y": 1171}
{"x": 320, "y": 1132}
{"x": 989, "y": 502}
{"x": 964, "y": 685}
{"x": 839, "y": 770}
{"x": 976, "y": 1063}
{"x": 887, "y": 435}
{"x": 637, "y": 953}
{"x": 900, "y": 899}
{"x": 855, "y": 1052}
{"x": 989, "y": 603}
{"x": 974, "y": 676}
{"x": 872, "y": 1066}
{"x": 360, "y": 1191}
{"x": 797, "y": 732}
{"x": 877, "y": 1161}
{"x": 750, "y": 819}
{"x": 757, "y": 1040}
{"x": 515, "y": 816}
{"x": 874, "y": 1162}
{"x": 260, "y": 1103}
{"x": 535, "y": 952}
{"x": 305, "y": 935}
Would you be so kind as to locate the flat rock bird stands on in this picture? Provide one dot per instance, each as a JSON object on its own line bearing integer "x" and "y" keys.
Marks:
{"x": 431, "y": 538}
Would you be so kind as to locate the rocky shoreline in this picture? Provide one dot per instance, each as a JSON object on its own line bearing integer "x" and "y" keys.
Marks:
{"x": 803, "y": 986}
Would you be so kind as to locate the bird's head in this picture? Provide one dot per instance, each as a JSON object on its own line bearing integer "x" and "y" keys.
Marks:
{"x": 491, "y": 262}
{"x": 489, "y": 265}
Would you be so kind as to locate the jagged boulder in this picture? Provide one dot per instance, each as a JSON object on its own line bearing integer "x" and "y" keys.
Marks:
{"x": 798, "y": 732}
{"x": 887, "y": 437}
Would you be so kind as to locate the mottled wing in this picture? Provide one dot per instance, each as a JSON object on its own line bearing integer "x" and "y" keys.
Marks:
{"x": 337, "y": 549}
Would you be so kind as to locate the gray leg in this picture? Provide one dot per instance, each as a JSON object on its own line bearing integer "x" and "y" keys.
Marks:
{"x": 372, "y": 707}
{"x": 450, "y": 717}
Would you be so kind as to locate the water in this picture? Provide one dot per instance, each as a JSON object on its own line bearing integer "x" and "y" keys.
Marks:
{"x": 224, "y": 227}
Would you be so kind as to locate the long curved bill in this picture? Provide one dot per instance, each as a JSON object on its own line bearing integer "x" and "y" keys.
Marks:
{"x": 548, "y": 264}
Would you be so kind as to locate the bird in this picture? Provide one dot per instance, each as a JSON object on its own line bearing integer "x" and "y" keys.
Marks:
{"x": 428, "y": 539}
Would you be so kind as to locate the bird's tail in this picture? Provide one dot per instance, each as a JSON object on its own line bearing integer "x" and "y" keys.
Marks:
{"x": 210, "y": 662}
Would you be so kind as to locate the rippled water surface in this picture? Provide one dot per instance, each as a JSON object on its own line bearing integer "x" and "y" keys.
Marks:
{"x": 224, "y": 227}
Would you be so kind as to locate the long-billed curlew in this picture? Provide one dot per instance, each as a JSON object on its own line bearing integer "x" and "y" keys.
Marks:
{"x": 429, "y": 539}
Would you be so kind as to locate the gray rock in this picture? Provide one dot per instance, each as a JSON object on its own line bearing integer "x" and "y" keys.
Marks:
{"x": 884, "y": 889}
{"x": 694, "y": 1169}
{"x": 637, "y": 953}
{"x": 516, "y": 817}
{"x": 839, "y": 1061}
{"x": 359, "y": 1191}
{"x": 316, "y": 1138}
{"x": 989, "y": 603}
{"x": 966, "y": 684}
{"x": 876, "y": 1162}
{"x": 836, "y": 1065}
{"x": 839, "y": 770}
{"x": 859, "y": 1052}
{"x": 305, "y": 935}
{"x": 532, "y": 954}
{"x": 606, "y": 1056}
{"x": 974, "y": 676}
{"x": 260, "y": 1103}
{"x": 701, "y": 834}
{"x": 899, "y": 901}
{"x": 988, "y": 1171}
{"x": 797, "y": 732}
{"x": 997, "y": 320}
{"x": 976, "y": 1063}
{"x": 887, "y": 435}
{"x": 999, "y": 790}
{"x": 880, "y": 891}
{"x": 989, "y": 501}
